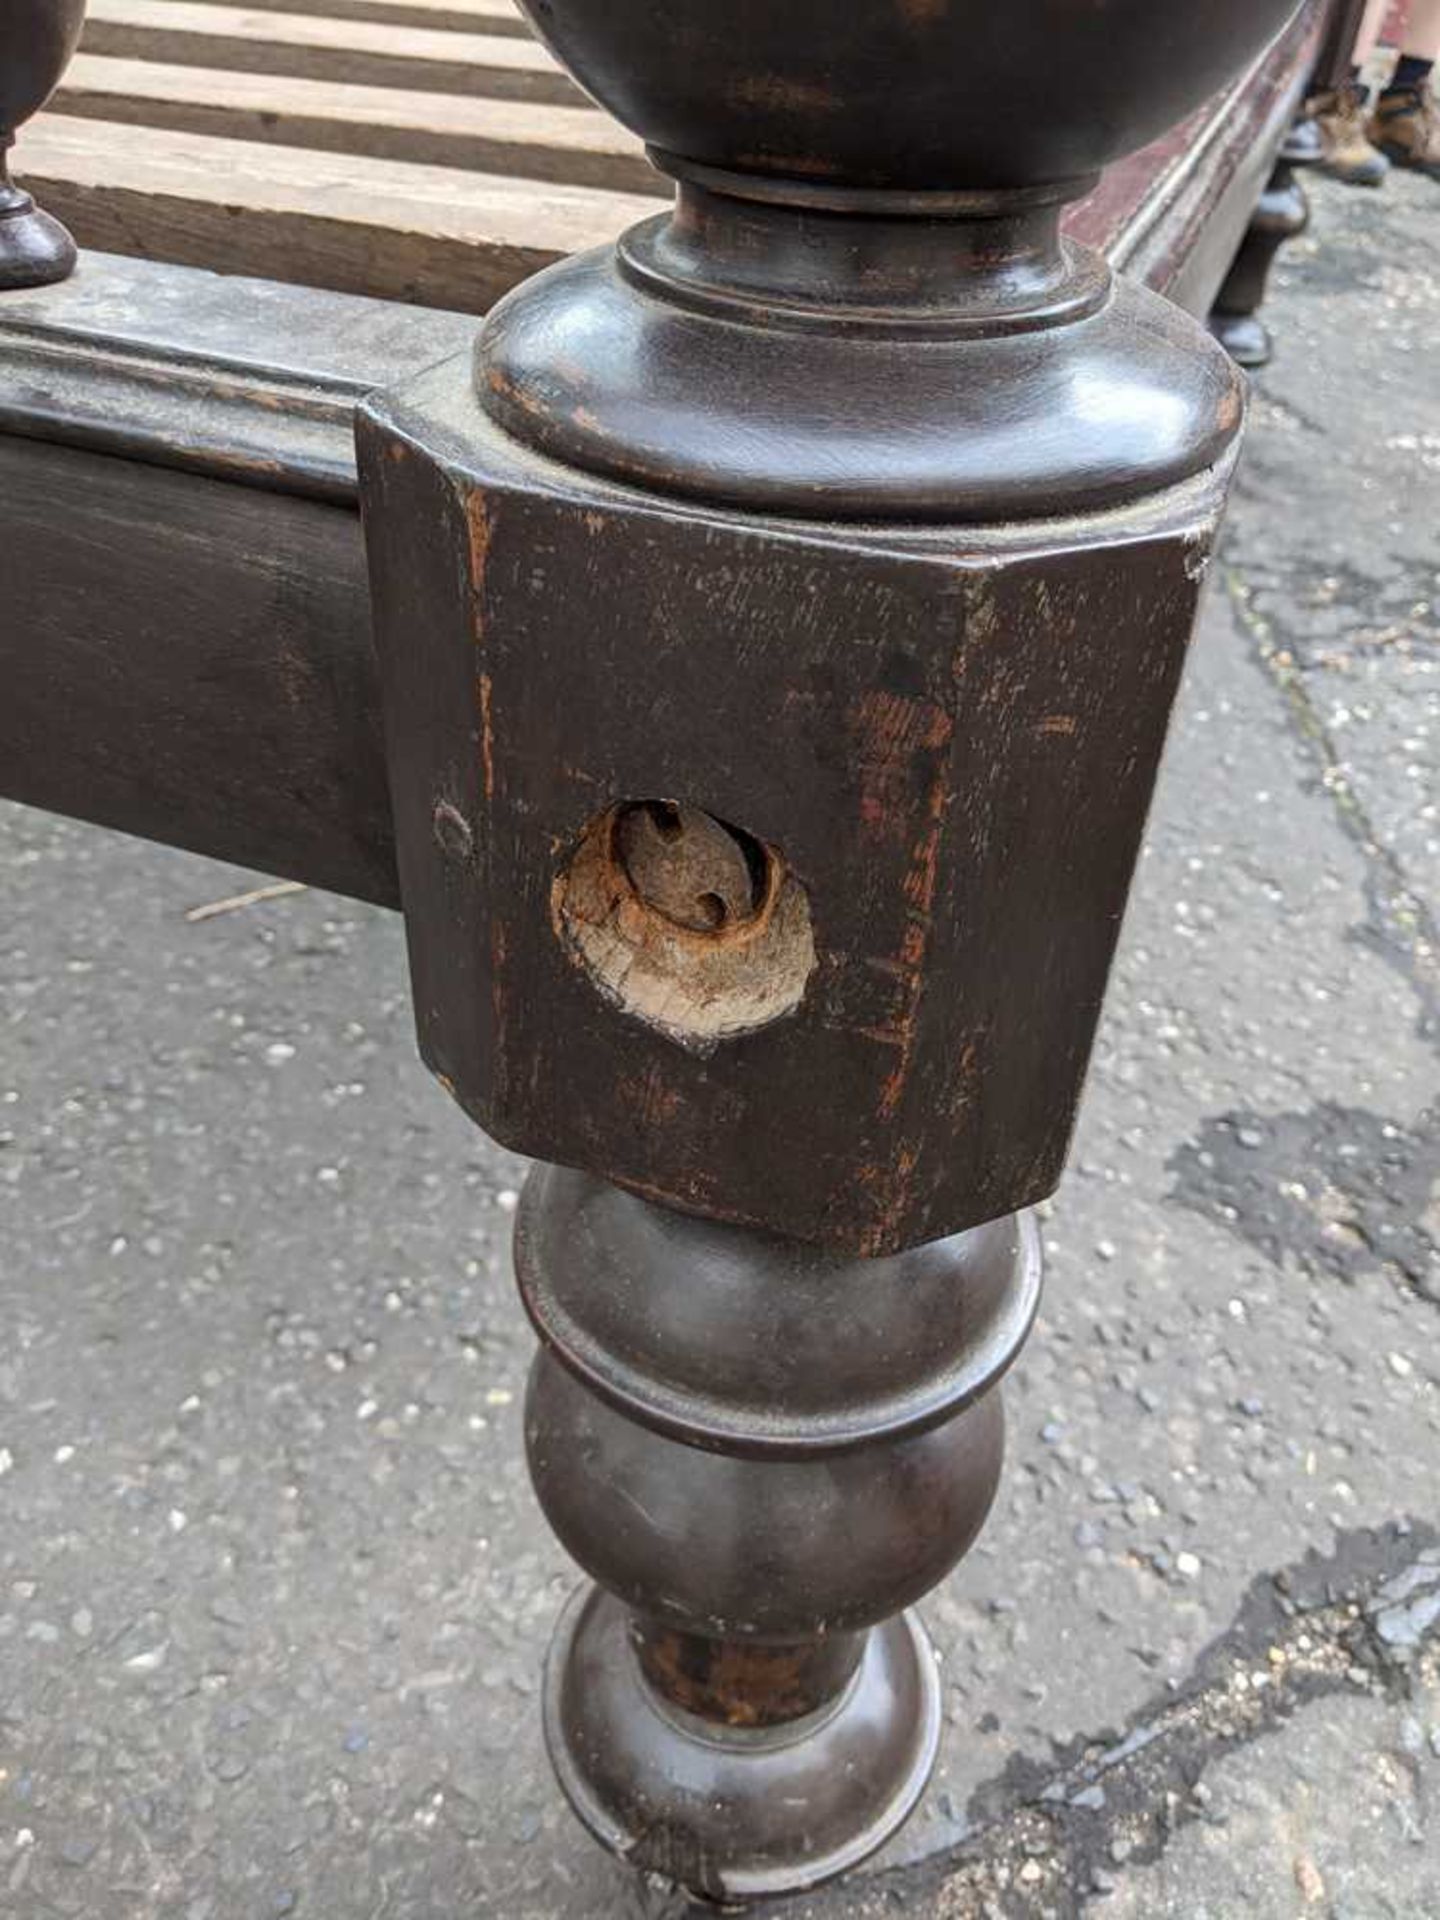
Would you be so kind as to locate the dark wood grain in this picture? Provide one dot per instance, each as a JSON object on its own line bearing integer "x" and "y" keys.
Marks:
{"x": 923, "y": 732}
{"x": 185, "y": 652}
{"x": 189, "y": 660}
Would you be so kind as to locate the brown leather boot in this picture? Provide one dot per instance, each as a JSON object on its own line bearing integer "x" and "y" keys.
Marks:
{"x": 1348, "y": 156}
{"x": 1406, "y": 127}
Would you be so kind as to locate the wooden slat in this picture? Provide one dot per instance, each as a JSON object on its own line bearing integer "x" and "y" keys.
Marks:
{"x": 461, "y": 16}
{"x": 401, "y": 231}
{"x": 193, "y": 33}
{"x": 577, "y": 145}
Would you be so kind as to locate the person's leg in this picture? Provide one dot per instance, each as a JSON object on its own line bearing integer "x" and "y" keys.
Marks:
{"x": 1420, "y": 47}
{"x": 1366, "y": 40}
{"x": 1406, "y": 122}
{"x": 1422, "y": 30}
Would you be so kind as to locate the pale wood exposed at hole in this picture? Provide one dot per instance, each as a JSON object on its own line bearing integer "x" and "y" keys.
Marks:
{"x": 193, "y": 32}
{"x": 391, "y": 228}
{"x": 698, "y": 987}
{"x": 577, "y": 145}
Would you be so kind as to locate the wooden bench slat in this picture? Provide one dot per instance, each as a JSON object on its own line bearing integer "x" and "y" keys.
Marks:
{"x": 395, "y": 229}
{"x": 579, "y": 146}
{"x": 196, "y": 33}
{"x": 460, "y": 16}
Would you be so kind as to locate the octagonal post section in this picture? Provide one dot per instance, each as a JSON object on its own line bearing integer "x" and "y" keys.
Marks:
{"x": 37, "y": 38}
{"x": 778, "y": 626}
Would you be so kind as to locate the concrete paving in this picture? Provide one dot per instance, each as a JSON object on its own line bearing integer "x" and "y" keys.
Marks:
{"x": 274, "y": 1594}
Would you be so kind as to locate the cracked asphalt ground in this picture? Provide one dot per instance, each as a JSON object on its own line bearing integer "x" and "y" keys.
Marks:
{"x": 273, "y": 1591}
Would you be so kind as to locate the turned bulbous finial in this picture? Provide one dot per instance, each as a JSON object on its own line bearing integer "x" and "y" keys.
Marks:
{"x": 904, "y": 93}
{"x": 863, "y": 305}
{"x": 37, "y": 38}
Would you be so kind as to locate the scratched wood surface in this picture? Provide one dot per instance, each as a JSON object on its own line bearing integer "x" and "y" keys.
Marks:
{"x": 419, "y": 150}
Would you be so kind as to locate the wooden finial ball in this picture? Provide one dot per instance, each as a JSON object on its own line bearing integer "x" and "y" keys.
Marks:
{"x": 904, "y": 93}
{"x": 37, "y": 38}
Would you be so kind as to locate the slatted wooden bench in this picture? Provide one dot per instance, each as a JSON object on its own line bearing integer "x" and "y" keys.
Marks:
{"x": 746, "y": 672}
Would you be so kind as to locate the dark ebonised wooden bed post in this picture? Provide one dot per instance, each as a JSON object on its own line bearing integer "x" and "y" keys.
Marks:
{"x": 778, "y": 631}
{"x": 37, "y": 38}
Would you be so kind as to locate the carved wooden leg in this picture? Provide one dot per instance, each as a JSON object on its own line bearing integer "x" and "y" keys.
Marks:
{"x": 762, "y": 1452}
{"x": 37, "y": 38}
{"x": 1281, "y": 213}
{"x": 777, "y": 640}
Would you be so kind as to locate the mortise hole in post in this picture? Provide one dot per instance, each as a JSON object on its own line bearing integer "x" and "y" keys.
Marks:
{"x": 684, "y": 921}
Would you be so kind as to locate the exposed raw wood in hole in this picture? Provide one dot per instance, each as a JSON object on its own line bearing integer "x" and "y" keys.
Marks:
{"x": 688, "y": 866}
{"x": 692, "y": 926}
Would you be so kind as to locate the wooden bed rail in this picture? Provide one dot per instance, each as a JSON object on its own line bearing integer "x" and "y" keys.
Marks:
{"x": 750, "y": 687}
{"x": 182, "y": 567}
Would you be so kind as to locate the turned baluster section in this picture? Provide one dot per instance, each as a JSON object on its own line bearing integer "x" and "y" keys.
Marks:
{"x": 37, "y": 38}
{"x": 763, "y": 1454}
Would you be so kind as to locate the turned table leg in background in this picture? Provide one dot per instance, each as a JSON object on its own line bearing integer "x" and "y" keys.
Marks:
{"x": 1283, "y": 212}
{"x": 778, "y": 625}
{"x": 37, "y": 38}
